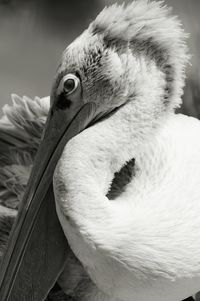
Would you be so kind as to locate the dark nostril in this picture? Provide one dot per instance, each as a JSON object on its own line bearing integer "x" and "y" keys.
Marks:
{"x": 63, "y": 102}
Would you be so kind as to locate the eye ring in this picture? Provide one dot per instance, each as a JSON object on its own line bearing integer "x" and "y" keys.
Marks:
{"x": 70, "y": 83}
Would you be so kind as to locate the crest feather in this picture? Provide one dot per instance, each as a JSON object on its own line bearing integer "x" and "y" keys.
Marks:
{"x": 142, "y": 19}
{"x": 148, "y": 28}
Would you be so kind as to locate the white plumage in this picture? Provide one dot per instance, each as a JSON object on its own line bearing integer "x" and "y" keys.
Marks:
{"x": 144, "y": 243}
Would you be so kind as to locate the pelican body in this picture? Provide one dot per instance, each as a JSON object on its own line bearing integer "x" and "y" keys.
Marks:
{"x": 112, "y": 103}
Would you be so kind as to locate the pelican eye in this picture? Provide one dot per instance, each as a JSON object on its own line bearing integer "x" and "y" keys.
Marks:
{"x": 70, "y": 83}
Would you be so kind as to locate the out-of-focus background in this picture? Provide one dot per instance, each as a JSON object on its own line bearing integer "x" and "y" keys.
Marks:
{"x": 33, "y": 34}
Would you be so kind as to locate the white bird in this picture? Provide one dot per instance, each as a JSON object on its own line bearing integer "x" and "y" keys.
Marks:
{"x": 123, "y": 77}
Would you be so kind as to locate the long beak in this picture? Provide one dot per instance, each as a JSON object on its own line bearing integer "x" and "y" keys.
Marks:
{"x": 37, "y": 247}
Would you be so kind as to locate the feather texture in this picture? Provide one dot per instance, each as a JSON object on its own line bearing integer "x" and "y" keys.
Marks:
{"x": 137, "y": 26}
{"x": 20, "y": 134}
{"x": 148, "y": 26}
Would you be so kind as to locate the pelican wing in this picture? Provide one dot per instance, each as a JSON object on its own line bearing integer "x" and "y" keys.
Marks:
{"x": 20, "y": 133}
{"x": 21, "y": 130}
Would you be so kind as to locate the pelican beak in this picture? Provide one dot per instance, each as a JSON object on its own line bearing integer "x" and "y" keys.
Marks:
{"x": 37, "y": 247}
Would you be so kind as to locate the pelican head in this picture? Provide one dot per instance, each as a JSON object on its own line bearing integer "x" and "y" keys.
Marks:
{"x": 125, "y": 53}
{"x": 130, "y": 61}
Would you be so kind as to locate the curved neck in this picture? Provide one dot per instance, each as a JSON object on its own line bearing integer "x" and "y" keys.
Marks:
{"x": 91, "y": 222}
{"x": 88, "y": 163}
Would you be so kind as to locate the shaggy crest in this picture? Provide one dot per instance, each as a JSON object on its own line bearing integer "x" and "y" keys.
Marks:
{"x": 148, "y": 28}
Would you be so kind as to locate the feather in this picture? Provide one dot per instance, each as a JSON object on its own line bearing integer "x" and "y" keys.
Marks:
{"x": 20, "y": 133}
{"x": 7, "y": 217}
{"x": 138, "y": 25}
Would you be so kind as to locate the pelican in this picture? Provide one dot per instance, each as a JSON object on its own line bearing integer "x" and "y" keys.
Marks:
{"x": 112, "y": 112}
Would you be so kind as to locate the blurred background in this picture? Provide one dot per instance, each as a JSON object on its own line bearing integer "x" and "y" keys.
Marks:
{"x": 33, "y": 34}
